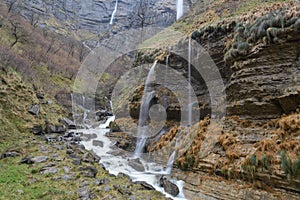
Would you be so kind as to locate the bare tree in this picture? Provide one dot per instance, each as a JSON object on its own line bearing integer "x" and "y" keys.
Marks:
{"x": 82, "y": 52}
{"x": 11, "y": 5}
{"x": 18, "y": 32}
{"x": 143, "y": 15}
{"x": 33, "y": 19}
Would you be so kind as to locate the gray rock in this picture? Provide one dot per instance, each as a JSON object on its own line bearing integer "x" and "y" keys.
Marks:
{"x": 76, "y": 161}
{"x": 69, "y": 123}
{"x": 40, "y": 159}
{"x": 37, "y": 130}
{"x": 34, "y": 109}
{"x": 56, "y": 129}
{"x": 145, "y": 185}
{"x": 88, "y": 171}
{"x": 9, "y": 154}
{"x": 49, "y": 170}
{"x": 26, "y": 160}
{"x": 168, "y": 186}
{"x": 66, "y": 169}
{"x": 83, "y": 193}
{"x": 136, "y": 164}
{"x": 106, "y": 188}
{"x": 97, "y": 143}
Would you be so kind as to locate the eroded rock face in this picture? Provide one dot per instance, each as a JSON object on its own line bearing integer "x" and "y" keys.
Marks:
{"x": 266, "y": 83}
{"x": 95, "y": 16}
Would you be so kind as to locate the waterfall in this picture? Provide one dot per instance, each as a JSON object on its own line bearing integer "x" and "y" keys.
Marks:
{"x": 190, "y": 107}
{"x": 179, "y": 9}
{"x": 165, "y": 98}
{"x": 114, "y": 12}
{"x": 170, "y": 163}
{"x": 144, "y": 111}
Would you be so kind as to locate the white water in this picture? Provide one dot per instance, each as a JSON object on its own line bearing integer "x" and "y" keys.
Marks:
{"x": 190, "y": 86}
{"x": 179, "y": 9}
{"x": 114, "y": 13}
{"x": 117, "y": 164}
{"x": 144, "y": 111}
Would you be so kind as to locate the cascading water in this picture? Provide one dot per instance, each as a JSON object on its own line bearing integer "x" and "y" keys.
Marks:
{"x": 144, "y": 111}
{"x": 190, "y": 107}
{"x": 114, "y": 13}
{"x": 179, "y": 9}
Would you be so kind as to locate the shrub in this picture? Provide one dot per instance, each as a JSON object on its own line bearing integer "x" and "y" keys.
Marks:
{"x": 296, "y": 167}
{"x": 286, "y": 163}
{"x": 266, "y": 162}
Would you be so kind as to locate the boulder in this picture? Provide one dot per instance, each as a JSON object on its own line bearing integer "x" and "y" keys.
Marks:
{"x": 168, "y": 186}
{"x": 37, "y": 130}
{"x": 136, "y": 164}
{"x": 26, "y": 160}
{"x": 56, "y": 129}
{"x": 88, "y": 171}
{"x": 34, "y": 109}
{"x": 9, "y": 154}
{"x": 97, "y": 143}
{"x": 39, "y": 159}
{"x": 69, "y": 123}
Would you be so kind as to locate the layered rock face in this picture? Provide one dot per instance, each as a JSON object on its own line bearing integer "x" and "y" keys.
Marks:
{"x": 95, "y": 15}
{"x": 265, "y": 84}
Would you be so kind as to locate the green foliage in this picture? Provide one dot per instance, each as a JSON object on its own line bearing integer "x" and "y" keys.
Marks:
{"x": 253, "y": 161}
{"x": 190, "y": 159}
{"x": 265, "y": 162}
{"x": 296, "y": 167}
{"x": 286, "y": 163}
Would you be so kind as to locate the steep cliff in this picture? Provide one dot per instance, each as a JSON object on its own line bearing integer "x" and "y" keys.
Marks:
{"x": 95, "y": 16}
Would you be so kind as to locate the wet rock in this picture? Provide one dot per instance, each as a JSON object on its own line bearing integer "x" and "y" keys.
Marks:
{"x": 88, "y": 137}
{"x": 97, "y": 143}
{"x": 122, "y": 175}
{"x": 26, "y": 160}
{"x": 37, "y": 130}
{"x": 88, "y": 171}
{"x": 90, "y": 157}
{"x": 136, "y": 164}
{"x": 9, "y": 154}
{"x": 102, "y": 166}
{"x": 39, "y": 159}
{"x": 34, "y": 109}
{"x": 168, "y": 186}
{"x": 69, "y": 123}
{"x": 145, "y": 185}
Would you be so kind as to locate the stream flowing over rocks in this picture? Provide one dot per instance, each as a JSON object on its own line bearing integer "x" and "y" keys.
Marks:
{"x": 118, "y": 161}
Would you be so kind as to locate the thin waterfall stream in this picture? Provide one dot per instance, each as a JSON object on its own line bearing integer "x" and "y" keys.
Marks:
{"x": 144, "y": 111}
{"x": 179, "y": 9}
{"x": 114, "y": 13}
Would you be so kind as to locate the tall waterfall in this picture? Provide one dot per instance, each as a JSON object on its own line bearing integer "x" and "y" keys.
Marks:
{"x": 114, "y": 13}
{"x": 179, "y": 9}
{"x": 144, "y": 111}
{"x": 190, "y": 107}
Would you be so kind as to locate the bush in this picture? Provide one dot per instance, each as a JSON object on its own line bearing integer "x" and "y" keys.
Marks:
{"x": 286, "y": 163}
{"x": 265, "y": 162}
{"x": 296, "y": 167}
